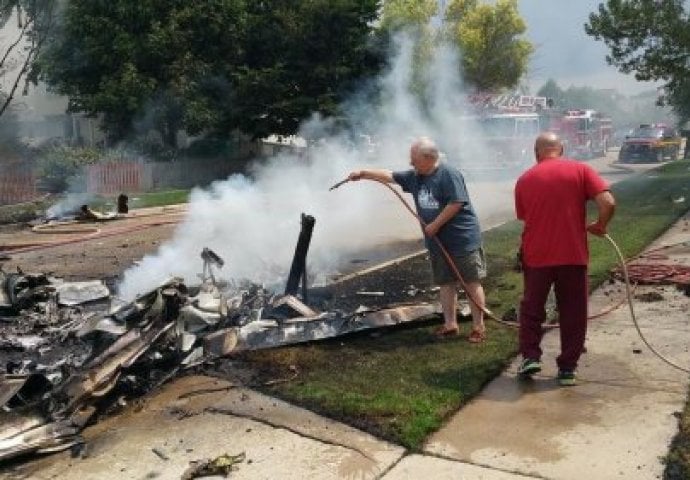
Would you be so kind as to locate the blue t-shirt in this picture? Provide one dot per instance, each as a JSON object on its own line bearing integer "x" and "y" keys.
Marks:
{"x": 461, "y": 234}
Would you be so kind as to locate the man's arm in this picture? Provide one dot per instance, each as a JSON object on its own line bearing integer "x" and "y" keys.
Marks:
{"x": 371, "y": 174}
{"x": 448, "y": 212}
{"x": 606, "y": 205}
{"x": 519, "y": 210}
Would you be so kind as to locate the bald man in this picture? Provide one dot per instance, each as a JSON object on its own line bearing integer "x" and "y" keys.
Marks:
{"x": 551, "y": 199}
{"x": 443, "y": 204}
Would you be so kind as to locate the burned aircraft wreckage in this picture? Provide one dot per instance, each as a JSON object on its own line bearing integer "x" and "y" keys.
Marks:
{"x": 70, "y": 349}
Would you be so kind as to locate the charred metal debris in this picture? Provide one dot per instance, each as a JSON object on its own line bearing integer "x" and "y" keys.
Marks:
{"x": 72, "y": 352}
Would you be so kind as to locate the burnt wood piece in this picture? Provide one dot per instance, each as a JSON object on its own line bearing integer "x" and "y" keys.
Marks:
{"x": 299, "y": 260}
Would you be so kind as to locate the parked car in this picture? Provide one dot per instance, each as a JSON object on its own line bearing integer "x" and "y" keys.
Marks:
{"x": 650, "y": 143}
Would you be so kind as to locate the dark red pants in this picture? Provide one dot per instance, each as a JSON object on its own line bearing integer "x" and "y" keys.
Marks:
{"x": 571, "y": 289}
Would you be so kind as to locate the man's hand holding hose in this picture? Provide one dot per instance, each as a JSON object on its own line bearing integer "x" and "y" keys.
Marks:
{"x": 606, "y": 205}
{"x": 371, "y": 174}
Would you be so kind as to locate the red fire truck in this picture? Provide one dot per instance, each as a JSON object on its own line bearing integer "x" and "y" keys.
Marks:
{"x": 585, "y": 133}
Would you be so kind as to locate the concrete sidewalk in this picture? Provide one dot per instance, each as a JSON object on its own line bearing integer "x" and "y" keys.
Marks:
{"x": 616, "y": 424}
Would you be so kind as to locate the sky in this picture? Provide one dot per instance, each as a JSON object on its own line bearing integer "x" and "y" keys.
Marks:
{"x": 564, "y": 52}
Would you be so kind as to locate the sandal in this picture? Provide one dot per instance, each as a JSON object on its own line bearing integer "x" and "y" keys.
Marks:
{"x": 444, "y": 331}
{"x": 477, "y": 336}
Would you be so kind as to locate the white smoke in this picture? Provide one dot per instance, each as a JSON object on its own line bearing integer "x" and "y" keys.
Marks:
{"x": 254, "y": 224}
{"x": 68, "y": 205}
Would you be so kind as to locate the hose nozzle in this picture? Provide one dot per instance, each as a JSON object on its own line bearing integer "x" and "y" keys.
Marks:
{"x": 339, "y": 184}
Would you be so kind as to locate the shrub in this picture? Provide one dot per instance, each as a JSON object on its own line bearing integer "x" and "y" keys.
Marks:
{"x": 58, "y": 167}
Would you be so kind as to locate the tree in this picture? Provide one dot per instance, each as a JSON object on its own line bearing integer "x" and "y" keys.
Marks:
{"x": 301, "y": 57}
{"x": 34, "y": 20}
{"x": 551, "y": 90}
{"x": 141, "y": 60}
{"x": 494, "y": 56}
{"x": 651, "y": 39}
{"x": 407, "y": 14}
{"x": 488, "y": 36}
{"x": 209, "y": 66}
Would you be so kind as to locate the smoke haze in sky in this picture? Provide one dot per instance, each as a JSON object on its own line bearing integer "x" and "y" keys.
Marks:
{"x": 564, "y": 52}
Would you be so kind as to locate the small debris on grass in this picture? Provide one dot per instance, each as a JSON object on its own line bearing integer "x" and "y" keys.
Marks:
{"x": 160, "y": 454}
{"x": 510, "y": 315}
{"x": 649, "y": 297}
{"x": 221, "y": 465}
{"x": 412, "y": 290}
{"x": 685, "y": 289}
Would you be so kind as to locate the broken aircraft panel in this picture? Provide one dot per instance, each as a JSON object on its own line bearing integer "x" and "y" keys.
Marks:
{"x": 149, "y": 340}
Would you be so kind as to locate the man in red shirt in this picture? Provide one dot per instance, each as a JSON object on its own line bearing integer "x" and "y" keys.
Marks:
{"x": 551, "y": 199}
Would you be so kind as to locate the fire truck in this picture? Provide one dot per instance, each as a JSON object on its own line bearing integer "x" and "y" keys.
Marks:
{"x": 507, "y": 126}
{"x": 585, "y": 133}
{"x": 509, "y": 123}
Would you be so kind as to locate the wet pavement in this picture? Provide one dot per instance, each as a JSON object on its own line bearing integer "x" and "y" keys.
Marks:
{"x": 617, "y": 423}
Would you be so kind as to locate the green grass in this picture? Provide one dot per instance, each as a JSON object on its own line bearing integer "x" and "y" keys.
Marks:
{"x": 157, "y": 199}
{"x": 143, "y": 200}
{"x": 26, "y": 212}
{"x": 23, "y": 212}
{"x": 402, "y": 384}
{"x": 678, "y": 459}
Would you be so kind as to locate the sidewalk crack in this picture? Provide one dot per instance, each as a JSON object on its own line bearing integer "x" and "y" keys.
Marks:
{"x": 227, "y": 411}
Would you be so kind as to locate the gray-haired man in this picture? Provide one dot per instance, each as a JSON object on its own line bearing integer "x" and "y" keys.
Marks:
{"x": 442, "y": 202}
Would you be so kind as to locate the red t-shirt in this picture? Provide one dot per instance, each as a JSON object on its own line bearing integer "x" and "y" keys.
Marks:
{"x": 551, "y": 199}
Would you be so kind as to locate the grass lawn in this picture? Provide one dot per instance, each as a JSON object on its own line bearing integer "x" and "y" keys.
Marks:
{"x": 157, "y": 199}
{"x": 678, "y": 459}
{"x": 402, "y": 384}
{"x": 143, "y": 200}
{"x": 26, "y": 212}
{"x": 23, "y": 212}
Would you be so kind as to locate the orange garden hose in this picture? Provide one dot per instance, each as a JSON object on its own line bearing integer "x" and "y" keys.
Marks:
{"x": 488, "y": 313}
{"x": 628, "y": 292}
{"x": 90, "y": 236}
{"x": 628, "y": 288}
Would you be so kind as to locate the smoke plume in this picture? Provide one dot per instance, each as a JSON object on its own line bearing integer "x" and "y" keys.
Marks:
{"x": 254, "y": 224}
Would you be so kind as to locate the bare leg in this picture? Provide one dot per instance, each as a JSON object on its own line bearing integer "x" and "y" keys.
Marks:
{"x": 449, "y": 304}
{"x": 476, "y": 292}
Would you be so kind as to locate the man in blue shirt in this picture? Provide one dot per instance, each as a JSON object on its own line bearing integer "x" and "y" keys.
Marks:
{"x": 444, "y": 206}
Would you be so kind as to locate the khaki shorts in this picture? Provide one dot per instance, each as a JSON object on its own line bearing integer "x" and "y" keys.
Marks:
{"x": 472, "y": 267}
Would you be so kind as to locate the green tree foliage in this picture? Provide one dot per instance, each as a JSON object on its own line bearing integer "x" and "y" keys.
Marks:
{"x": 58, "y": 166}
{"x": 405, "y": 14}
{"x": 144, "y": 59}
{"x": 458, "y": 9}
{"x": 301, "y": 57}
{"x": 210, "y": 66}
{"x": 412, "y": 17}
{"x": 651, "y": 39}
{"x": 551, "y": 90}
{"x": 494, "y": 56}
